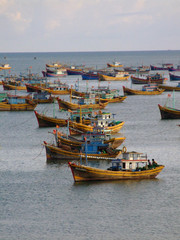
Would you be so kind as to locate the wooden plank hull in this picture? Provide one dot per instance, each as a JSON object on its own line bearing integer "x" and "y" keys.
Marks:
{"x": 74, "y": 106}
{"x": 136, "y": 80}
{"x": 84, "y": 128}
{"x": 85, "y": 173}
{"x": 17, "y": 107}
{"x": 169, "y": 88}
{"x": 13, "y": 87}
{"x": 56, "y": 153}
{"x": 111, "y": 78}
{"x": 129, "y": 91}
{"x": 113, "y": 142}
{"x": 112, "y": 100}
{"x": 169, "y": 113}
{"x": 45, "y": 121}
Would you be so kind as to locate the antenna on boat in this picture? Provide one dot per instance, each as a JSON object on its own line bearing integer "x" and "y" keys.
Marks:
{"x": 86, "y": 150}
{"x": 173, "y": 99}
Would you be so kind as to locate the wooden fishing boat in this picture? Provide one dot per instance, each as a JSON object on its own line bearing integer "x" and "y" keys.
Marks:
{"x": 54, "y": 73}
{"x": 131, "y": 166}
{"x": 170, "y": 88}
{"x": 113, "y": 142}
{"x": 90, "y": 151}
{"x": 114, "y": 99}
{"x": 174, "y": 77}
{"x": 115, "y": 64}
{"x": 169, "y": 112}
{"x": 116, "y": 77}
{"x": 5, "y": 66}
{"x": 83, "y": 103}
{"x": 54, "y": 65}
{"x": 17, "y": 86}
{"x": 46, "y": 121}
{"x": 79, "y": 128}
{"x": 144, "y": 79}
{"x": 146, "y": 90}
{"x": 91, "y": 75}
{"x": 14, "y": 103}
{"x": 54, "y": 89}
{"x": 102, "y": 119}
{"x": 74, "y": 71}
{"x": 138, "y": 70}
{"x": 165, "y": 66}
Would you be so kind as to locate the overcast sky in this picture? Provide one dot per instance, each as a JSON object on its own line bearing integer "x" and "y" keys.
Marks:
{"x": 89, "y": 25}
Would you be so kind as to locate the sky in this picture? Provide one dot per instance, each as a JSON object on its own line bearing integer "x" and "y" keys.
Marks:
{"x": 89, "y": 25}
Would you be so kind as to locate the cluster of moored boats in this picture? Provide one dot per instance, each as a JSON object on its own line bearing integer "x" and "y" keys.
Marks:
{"x": 89, "y": 129}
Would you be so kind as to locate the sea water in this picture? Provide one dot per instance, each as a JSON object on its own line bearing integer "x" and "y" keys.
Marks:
{"x": 41, "y": 201}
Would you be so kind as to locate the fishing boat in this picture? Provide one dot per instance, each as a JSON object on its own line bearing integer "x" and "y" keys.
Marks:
{"x": 169, "y": 112}
{"x": 102, "y": 119}
{"x": 115, "y": 64}
{"x": 148, "y": 89}
{"x": 137, "y": 70}
{"x": 55, "y": 73}
{"x": 105, "y": 94}
{"x": 113, "y": 142}
{"x": 170, "y": 88}
{"x": 165, "y": 66}
{"x": 16, "y": 103}
{"x": 94, "y": 149}
{"x": 41, "y": 97}
{"x": 174, "y": 77}
{"x": 89, "y": 101}
{"x": 56, "y": 88}
{"x": 54, "y": 65}
{"x": 5, "y": 66}
{"x": 13, "y": 85}
{"x": 75, "y": 116}
{"x": 144, "y": 79}
{"x": 114, "y": 77}
{"x": 90, "y": 75}
{"x": 130, "y": 165}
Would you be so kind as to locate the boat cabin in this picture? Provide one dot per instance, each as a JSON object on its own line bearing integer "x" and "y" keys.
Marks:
{"x": 102, "y": 119}
{"x": 94, "y": 147}
{"x": 16, "y": 100}
{"x": 132, "y": 161}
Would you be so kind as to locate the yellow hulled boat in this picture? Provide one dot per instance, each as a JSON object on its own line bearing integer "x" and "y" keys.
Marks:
{"x": 117, "y": 77}
{"x": 65, "y": 152}
{"x": 129, "y": 91}
{"x": 87, "y": 104}
{"x": 131, "y": 166}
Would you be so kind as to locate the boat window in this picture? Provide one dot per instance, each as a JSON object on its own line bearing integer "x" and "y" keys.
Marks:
{"x": 124, "y": 165}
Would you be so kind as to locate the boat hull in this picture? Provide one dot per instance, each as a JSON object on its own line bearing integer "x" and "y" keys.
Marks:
{"x": 73, "y": 106}
{"x": 169, "y": 88}
{"x": 84, "y": 173}
{"x": 80, "y": 128}
{"x": 169, "y": 113}
{"x": 174, "y": 77}
{"x": 17, "y": 107}
{"x": 136, "y": 80}
{"x": 129, "y": 91}
{"x": 113, "y": 142}
{"x": 66, "y": 153}
{"x": 110, "y": 78}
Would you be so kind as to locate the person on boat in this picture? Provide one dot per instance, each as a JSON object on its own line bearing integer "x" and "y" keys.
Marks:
{"x": 149, "y": 164}
{"x": 154, "y": 163}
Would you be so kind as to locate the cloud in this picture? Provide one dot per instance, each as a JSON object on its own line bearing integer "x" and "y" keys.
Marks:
{"x": 14, "y": 15}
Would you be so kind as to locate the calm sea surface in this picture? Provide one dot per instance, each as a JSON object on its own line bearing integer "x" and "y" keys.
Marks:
{"x": 40, "y": 201}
